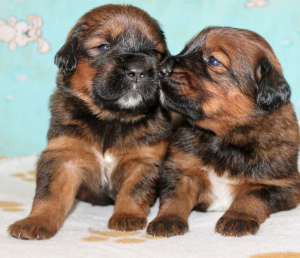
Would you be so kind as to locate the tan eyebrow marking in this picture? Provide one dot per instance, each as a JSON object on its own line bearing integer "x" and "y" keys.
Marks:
{"x": 95, "y": 42}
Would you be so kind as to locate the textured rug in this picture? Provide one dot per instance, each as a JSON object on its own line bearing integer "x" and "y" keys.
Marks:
{"x": 85, "y": 232}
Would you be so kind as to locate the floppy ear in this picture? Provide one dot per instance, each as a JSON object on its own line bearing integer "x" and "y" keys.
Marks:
{"x": 66, "y": 57}
{"x": 272, "y": 88}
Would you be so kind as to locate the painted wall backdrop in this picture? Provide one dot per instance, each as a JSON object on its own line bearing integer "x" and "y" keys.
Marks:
{"x": 32, "y": 31}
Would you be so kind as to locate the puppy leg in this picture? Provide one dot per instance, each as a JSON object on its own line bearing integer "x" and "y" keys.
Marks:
{"x": 135, "y": 196}
{"x": 58, "y": 178}
{"x": 176, "y": 203}
{"x": 253, "y": 206}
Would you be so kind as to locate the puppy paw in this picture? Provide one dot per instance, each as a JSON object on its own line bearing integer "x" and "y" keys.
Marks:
{"x": 167, "y": 226}
{"x": 126, "y": 222}
{"x": 32, "y": 229}
{"x": 237, "y": 225}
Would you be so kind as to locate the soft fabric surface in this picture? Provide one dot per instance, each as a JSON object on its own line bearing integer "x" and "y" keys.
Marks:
{"x": 85, "y": 233}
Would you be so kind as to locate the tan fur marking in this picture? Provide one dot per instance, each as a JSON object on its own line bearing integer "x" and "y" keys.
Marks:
{"x": 225, "y": 109}
{"x": 95, "y": 42}
{"x": 81, "y": 80}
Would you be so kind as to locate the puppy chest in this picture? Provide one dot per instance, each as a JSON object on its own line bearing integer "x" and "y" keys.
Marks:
{"x": 107, "y": 164}
{"x": 221, "y": 192}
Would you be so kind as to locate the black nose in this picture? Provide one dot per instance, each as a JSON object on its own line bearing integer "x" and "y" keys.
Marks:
{"x": 167, "y": 66}
{"x": 165, "y": 70}
{"x": 136, "y": 73}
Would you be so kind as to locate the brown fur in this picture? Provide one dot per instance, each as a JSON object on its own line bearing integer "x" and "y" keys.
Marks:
{"x": 241, "y": 134}
{"x": 99, "y": 149}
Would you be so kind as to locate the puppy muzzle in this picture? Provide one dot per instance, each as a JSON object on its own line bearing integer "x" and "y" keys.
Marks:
{"x": 167, "y": 66}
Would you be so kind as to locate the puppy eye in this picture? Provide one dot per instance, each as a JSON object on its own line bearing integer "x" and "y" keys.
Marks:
{"x": 213, "y": 61}
{"x": 104, "y": 47}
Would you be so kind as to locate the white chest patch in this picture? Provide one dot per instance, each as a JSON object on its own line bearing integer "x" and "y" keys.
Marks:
{"x": 162, "y": 97}
{"x": 107, "y": 163}
{"x": 221, "y": 192}
{"x": 130, "y": 100}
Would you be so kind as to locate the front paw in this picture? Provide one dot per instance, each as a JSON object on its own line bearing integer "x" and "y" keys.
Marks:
{"x": 127, "y": 222}
{"x": 237, "y": 225}
{"x": 32, "y": 229}
{"x": 167, "y": 226}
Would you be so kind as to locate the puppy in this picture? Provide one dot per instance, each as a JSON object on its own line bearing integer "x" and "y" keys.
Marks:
{"x": 108, "y": 133}
{"x": 238, "y": 150}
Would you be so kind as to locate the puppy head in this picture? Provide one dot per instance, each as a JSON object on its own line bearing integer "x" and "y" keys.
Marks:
{"x": 111, "y": 57}
{"x": 223, "y": 77}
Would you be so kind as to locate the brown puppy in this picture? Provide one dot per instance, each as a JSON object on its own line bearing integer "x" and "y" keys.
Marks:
{"x": 108, "y": 133}
{"x": 238, "y": 151}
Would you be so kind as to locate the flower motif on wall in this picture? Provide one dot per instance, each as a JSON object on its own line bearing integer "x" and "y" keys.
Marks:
{"x": 21, "y": 33}
{"x": 256, "y": 3}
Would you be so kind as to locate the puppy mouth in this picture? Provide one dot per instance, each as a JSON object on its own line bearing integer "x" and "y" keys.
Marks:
{"x": 130, "y": 99}
{"x": 181, "y": 105}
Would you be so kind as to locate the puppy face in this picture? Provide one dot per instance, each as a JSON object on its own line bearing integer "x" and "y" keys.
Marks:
{"x": 111, "y": 58}
{"x": 222, "y": 78}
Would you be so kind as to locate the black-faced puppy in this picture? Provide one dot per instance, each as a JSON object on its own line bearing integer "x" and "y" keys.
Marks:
{"x": 108, "y": 134}
{"x": 238, "y": 150}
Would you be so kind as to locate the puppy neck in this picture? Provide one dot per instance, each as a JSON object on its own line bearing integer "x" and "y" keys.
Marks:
{"x": 261, "y": 127}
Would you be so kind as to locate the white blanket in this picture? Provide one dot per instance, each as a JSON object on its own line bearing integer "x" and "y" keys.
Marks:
{"x": 85, "y": 234}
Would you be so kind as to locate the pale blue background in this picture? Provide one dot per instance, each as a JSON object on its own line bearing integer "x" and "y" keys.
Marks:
{"x": 28, "y": 77}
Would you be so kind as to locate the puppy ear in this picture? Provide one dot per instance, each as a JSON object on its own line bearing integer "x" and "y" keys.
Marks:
{"x": 272, "y": 88}
{"x": 66, "y": 57}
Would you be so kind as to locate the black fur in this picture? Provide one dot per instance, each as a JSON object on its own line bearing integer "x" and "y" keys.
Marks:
{"x": 273, "y": 90}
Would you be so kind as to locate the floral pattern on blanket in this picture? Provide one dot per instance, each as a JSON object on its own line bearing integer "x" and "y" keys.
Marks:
{"x": 277, "y": 255}
{"x": 10, "y": 206}
{"x": 30, "y": 176}
{"x": 118, "y": 237}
